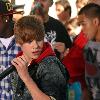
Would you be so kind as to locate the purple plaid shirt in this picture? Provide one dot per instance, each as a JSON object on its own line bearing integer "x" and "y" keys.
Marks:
{"x": 6, "y": 55}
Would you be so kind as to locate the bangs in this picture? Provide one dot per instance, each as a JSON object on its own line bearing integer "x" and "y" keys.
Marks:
{"x": 29, "y": 28}
{"x": 27, "y": 34}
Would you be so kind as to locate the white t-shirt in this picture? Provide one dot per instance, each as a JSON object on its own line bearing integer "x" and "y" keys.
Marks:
{"x": 6, "y": 41}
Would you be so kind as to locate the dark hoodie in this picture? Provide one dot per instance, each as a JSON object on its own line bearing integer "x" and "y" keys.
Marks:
{"x": 49, "y": 75}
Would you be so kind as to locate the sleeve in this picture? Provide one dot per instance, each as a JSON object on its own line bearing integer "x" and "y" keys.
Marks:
{"x": 52, "y": 81}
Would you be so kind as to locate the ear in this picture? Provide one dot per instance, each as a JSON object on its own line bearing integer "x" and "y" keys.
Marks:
{"x": 96, "y": 21}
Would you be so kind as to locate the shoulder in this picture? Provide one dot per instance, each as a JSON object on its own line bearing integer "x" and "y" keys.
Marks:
{"x": 51, "y": 60}
{"x": 52, "y": 65}
{"x": 55, "y": 21}
{"x": 93, "y": 45}
{"x": 49, "y": 65}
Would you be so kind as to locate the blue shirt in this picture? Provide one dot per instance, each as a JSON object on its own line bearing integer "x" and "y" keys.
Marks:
{"x": 6, "y": 55}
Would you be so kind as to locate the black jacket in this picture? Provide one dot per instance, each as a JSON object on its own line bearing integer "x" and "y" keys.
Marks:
{"x": 50, "y": 76}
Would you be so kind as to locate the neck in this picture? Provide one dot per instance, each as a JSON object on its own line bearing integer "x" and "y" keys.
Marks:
{"x": 6, "y": 34}
{"x": 98, "y": 35}
{"x": 46, "y": 18}
{"x": 63, "y": 21}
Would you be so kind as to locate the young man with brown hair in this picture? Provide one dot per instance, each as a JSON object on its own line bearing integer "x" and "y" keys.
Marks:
{"x": 89, "y": 19}
{"x": 46, "y": 78}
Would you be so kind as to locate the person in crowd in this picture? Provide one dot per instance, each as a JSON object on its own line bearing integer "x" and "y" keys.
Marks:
{"x": 42, "y": 75}
{"x": 75, "y": 56}
{"x": 8, "y": 47}
{"x": 89, "y": 19}
{"x": 74, "y": 62}
{"x": 20, "y": 9}
{"x": 80, "y": 4}
{"x": 63, "y": 10}
{"x": 55, "y": 32}
{"x": 73, "y": 28}
{"x": 94, "y": 1}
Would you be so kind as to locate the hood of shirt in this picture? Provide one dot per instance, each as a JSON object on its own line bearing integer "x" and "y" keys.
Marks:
{"x": 47, "y": 51}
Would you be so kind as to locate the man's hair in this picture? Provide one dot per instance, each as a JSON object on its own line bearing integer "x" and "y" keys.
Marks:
{"x": 90, "y": 11}
{"x": 65, "y": 4}
{"x": 29, "y": 28}
{"x": 73, "y": 22}
{"x": 81, "y": 1}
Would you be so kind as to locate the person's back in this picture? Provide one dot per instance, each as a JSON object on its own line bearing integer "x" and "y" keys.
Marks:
{"x": 55, "y": 32}
{"x": 74, "y": 61}
{"x": 8, "y": 48}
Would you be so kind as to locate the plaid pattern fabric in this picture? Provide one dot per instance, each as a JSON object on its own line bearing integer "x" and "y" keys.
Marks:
{"x": 6, "y": 55}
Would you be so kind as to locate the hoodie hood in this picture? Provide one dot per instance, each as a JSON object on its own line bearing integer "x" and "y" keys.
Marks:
{"x": 47, "y": 51}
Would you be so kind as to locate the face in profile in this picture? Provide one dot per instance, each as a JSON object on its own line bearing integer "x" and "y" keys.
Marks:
{"x": 62, "y": 14}
{"x": 88, "y": 25}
